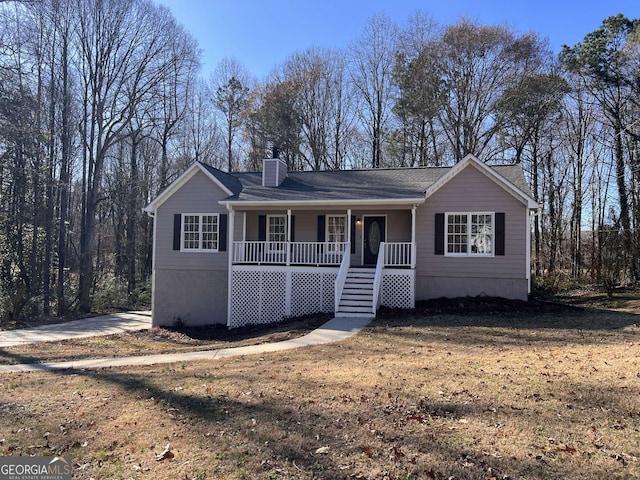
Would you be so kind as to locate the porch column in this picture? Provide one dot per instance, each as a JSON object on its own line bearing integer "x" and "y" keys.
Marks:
{"x": 413, "y": 237}
{"x": 288, "y": 237}
{"x": 348, "y": 239}
{"x": 230, "y": 252}
{"x": 244, "y": 226}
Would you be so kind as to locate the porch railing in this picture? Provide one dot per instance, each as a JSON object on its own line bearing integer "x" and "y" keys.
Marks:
{"x": 399, "y": 254}
{"x": 289, "y": 253}
{"x": 341, "y": 278}
{"x": 396, "y": 254}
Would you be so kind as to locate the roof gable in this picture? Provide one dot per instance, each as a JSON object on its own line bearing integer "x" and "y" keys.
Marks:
{"x": 491, "y": 173}
{"x": 227, "y": 183}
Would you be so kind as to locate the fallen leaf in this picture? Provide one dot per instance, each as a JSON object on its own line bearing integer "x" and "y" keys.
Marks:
{"x": 568, "y": 449}
{"x": 165, "y": 454}
{"x": 322, "y": 450}
{"x": 366, "y": 450}
{"x": 397, "y": 452}
{"x": 417, "y": 418}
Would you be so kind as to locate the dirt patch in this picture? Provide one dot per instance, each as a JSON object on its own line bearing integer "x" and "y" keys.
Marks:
{"x": 494, "y": 306}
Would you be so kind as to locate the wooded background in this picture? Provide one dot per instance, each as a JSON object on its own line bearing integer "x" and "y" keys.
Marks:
{"x": 103, "y": 104}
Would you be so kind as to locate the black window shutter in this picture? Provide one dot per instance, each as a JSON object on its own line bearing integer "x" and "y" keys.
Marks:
{"x": 262, "y": 228}
{"x": 438, "y": 233}
{"x": 177, "y": 227}
{"x": 321, "y": 224}
{"x": 293, "y": 228}
{"x": 500, "y": 233}
{"x": 222, "y": 233}
{"x": 353, "y": 234}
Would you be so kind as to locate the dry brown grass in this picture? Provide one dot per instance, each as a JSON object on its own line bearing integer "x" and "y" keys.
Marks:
{"x": 525, "y": 395}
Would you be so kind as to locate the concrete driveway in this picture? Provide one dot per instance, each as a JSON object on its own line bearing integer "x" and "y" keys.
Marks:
{"x": 86, "y": 327}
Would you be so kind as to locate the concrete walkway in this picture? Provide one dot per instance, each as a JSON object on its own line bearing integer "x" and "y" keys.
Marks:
{"x": 86, "y": 327}
{"x": 332, "y": 331}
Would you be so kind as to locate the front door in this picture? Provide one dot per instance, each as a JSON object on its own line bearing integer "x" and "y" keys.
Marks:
{"x": 374, "y": 233}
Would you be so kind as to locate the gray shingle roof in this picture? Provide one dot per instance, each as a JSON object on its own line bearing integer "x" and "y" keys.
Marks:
{"x": 336, "y": 185}
{"x": 231, "y": 181}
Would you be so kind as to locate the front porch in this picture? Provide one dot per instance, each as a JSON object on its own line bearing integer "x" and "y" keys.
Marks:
{"x": 292, "y": 280}
{"x": 360, "y": 259}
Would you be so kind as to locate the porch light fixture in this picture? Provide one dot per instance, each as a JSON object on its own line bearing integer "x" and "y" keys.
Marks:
{"x": 358, "y": 221}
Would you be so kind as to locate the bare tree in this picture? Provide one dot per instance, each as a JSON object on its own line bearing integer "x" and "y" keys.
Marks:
{"x": 478, "y": 64}
{"x": 322, "y": 102}
{"x": 120, "y": 50}
{"x": 200, "y": 138}
{"x": 372, "y": 60}
{"x": 578, "y": 123}
{"x": 420, "y": 93}
{"x": 175, "y": 91}
{"x": 601, "y": 58}
{"x": 229, "y": 85}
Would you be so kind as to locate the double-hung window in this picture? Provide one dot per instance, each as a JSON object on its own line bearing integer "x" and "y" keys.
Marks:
{"x": 336, "y": 231}
{"x": 276, "y": 232}
{"x": 470, "y": 234}
{"x": 200, "y": 232}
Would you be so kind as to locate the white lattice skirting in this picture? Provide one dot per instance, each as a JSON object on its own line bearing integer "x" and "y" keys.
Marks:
{"x": 398, "y": 288}
{"x": 267, "y": 294}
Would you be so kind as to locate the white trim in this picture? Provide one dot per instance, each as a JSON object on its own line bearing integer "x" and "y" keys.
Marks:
{"x": 230, "y": 232}
{"x": 527, "y": 271}
{"x": 469, "y": 253}
{"x": 288, "y": 230}
{"x": 490, "y": 173}
{"x": 413, "y": 237}
{"x": 349, "y": 232}
{"x": 200, "y": 232}
{"x": 179, "y": 182}
{"x": 386, "y": 221}
{"x": 153, "y": 265}
{"x": 244, "y": 224}
{"x": 303, "y": 203}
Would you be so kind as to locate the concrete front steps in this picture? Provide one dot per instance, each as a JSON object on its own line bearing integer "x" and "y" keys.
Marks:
{"x": 357, "y": 295}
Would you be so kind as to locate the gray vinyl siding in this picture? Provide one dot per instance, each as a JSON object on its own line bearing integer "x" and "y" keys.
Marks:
{"x": 439, "y": 275}
{"x": 198, "y": 195}
{"x": 191, "y": 297}
{"x": 399, "y": 226}
{"x": 274, "y": 172}
{"x": 189, "y": 286}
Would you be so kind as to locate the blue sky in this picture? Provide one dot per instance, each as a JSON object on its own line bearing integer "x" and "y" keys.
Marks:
{"x": 261, "y": 34}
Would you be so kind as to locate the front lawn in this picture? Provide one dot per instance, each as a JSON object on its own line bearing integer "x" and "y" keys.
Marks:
{"x": 515, "y": 393}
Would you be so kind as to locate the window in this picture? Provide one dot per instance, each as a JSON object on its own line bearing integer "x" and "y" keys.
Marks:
{"x": 276, "y": 231}
{"x": 336, "y": 230}
{"x": 200, "y": 232}
{"x": 469, "y": 234}
{"x": 277, "y": 225}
